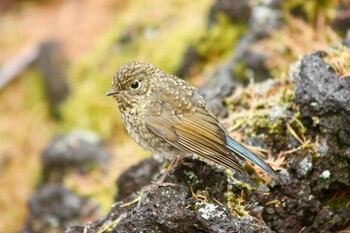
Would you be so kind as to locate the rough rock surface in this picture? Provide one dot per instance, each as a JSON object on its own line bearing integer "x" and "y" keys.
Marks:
{"x": 136, "y": 177}
{"x": 321, "y": 93}
{"x": 313, "y": 193}
{"x": 180, "y": 208}
{"x": 217, "y": 88}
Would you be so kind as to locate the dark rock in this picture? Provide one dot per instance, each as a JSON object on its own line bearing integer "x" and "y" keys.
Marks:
{"x": 190, "y": 58}
{"x": 321, "y": 94}
{"x": 341, "y": 21}
{"x": 255, "y": 66}
{"x": 245, "y": 62}
{"x": 297, "y": 207}
{"x": 136, "y": 177}
{"x": 218, "y": 87}
{"x": 346, "y": 42}
{"x": 51, "y": 63}
{"x": 327, "y": 216}
{"x": 181, "y": 208}
{"x": 53, "y": 207}
{"x": 313, "y": 192}
{"x": 127, "y": 35}
{"x": 77, "y": 150}
{"x": 266, "y": 16}
{"x": 236, "y": 10}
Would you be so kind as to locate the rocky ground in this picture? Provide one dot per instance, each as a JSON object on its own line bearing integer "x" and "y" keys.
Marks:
{"x": 310, "y": 193}
{"x": 198, "y": 203}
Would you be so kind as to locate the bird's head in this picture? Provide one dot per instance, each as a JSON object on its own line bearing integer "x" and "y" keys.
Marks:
{"x": 132, "y": 79}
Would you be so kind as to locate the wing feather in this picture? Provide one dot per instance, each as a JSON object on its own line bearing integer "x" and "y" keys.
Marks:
{"x": 198, "y": 133}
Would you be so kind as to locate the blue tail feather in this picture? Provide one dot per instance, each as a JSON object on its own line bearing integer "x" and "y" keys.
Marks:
{"x": 246, "y": 154}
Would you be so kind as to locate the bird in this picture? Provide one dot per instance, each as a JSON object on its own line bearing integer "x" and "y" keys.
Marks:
{"x": 167, "y": 116}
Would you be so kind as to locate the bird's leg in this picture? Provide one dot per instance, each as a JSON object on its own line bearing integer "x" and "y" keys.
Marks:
{"x": 176, "y": 161}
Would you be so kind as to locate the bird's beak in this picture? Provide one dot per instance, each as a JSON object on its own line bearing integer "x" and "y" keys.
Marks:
{"x": 112, "y": 92}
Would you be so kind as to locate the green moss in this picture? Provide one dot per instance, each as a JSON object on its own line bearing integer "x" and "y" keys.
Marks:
{"x": 236, "y": 204}
{"x": 218, "y": 41}
{"x": 202, "y": 197}
{"x": 266, "y": 108}
{"x": 286, "y": 97}
{"x": 34, "y": 94}
{"x": 238, "y": 183}
{"x": 191, "y": 176}
{"x": 239, "y": 71}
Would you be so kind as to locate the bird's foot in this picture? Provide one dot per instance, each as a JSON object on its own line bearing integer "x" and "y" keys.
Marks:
{"x": 157, "y": 184}
{"x": 187, "y": 164}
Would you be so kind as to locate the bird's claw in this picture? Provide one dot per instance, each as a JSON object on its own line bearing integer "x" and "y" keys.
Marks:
{"x": 155, "y": 185}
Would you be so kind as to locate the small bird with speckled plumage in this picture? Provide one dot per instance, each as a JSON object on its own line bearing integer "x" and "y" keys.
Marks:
{"x": 166, "y": 115}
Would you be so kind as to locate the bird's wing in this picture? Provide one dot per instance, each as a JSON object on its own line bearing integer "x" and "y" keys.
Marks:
{"x": 196, "y": 132}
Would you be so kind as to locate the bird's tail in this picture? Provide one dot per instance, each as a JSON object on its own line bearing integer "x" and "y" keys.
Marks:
{"x": 240, "y": 150}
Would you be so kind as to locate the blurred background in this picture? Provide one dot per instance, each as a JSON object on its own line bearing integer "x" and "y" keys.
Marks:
{"x": 57, "y": 60}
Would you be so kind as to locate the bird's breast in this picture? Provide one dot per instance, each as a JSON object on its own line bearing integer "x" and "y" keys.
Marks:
{"x": 134, "y": 119}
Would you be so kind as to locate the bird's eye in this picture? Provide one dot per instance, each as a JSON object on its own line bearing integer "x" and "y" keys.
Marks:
{"x": 135, "y": 85}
